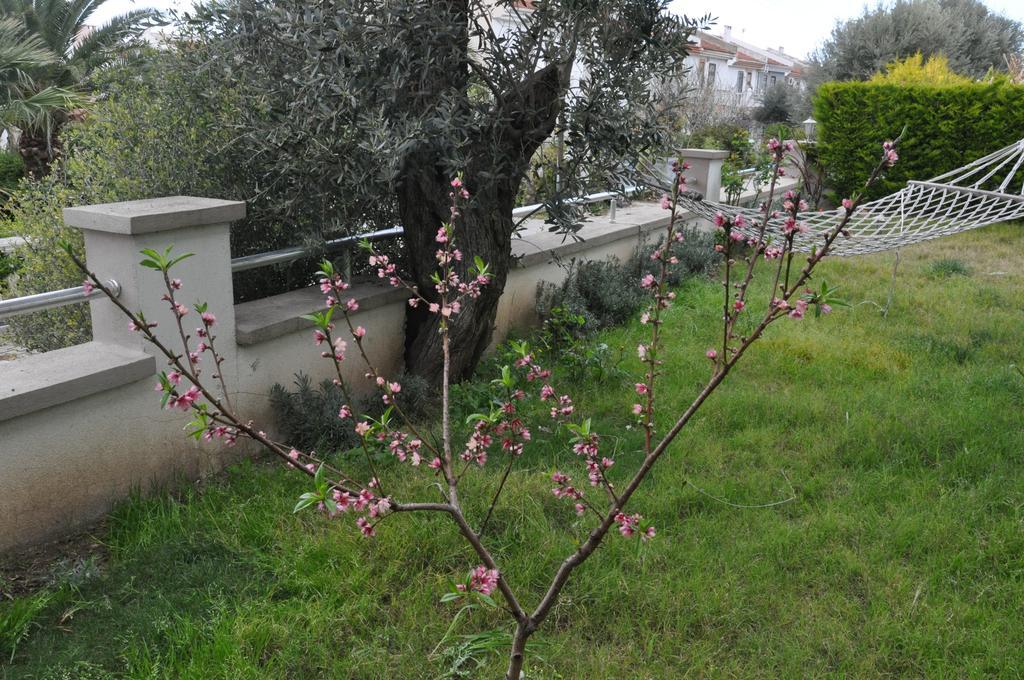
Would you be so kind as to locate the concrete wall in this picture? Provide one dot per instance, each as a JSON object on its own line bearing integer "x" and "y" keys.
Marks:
{"x": 81, "y": 427}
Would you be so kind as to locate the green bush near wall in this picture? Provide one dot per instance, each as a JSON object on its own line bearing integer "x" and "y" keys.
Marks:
{"x": 12, "y": 169}
{"x": 947, "y": 127}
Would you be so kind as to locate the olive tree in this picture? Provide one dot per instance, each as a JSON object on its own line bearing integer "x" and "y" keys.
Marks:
{"x": 362, "y": 111}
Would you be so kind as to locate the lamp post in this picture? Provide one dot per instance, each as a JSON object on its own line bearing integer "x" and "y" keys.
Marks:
{"x": 810, "y": 128}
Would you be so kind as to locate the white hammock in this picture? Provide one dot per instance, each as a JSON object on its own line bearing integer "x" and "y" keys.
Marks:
{"x": 987, "y": 191}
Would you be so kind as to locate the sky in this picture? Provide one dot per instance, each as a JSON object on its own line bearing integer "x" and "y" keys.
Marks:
{"x": 797, "y": 25}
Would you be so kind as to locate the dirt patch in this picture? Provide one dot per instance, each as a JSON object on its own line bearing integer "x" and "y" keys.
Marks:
{"x": 26, "y": 571}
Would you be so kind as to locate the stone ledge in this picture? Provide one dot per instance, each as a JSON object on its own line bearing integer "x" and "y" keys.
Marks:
{"x": 268, "y": 318}
{"x": 154, "y": 214}
{"x": 40, "y": 381}
{"x": 701, "y": 154}
{"x": 537, "y": 245}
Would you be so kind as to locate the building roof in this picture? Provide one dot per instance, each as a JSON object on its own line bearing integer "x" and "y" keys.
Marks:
{"x": 744, "y": 55}
{"x": 709, "y": 43}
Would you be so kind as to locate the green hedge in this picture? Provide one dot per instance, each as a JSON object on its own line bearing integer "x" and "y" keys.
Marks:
{"x": 947, "y": 127}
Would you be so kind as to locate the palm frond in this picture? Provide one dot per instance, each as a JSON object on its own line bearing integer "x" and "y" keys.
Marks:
{"x": 96, "y": 48}
{"x": 19, "y": 52}
{"x": 37, "y": 111}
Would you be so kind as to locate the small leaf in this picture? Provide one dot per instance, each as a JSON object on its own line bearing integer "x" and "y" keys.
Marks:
{"x": 307, "y": 499}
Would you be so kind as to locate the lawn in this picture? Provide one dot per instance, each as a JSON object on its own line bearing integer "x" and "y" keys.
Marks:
{"x": 899, "y": 440}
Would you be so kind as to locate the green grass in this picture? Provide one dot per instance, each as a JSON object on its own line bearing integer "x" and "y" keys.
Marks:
{"x": 901, "y": 439}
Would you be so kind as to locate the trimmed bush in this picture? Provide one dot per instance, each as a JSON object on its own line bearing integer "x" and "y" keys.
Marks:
{"x": 947, "y": 127}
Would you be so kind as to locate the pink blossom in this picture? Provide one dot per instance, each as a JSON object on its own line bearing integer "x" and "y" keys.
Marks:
{"x": 481, "y": 580}
{"x": 184, "y": 401}
{"x": 638, "y": 409}
{"x": 88, "y": 286}
{"x": 345, "y": 412}
{"x": 208, "y": 319}
{"x": 134, "y": 327}
{"x": 711, "y": 354}
{"x": 739, "y": 221}
{"x": 546, "y": 392}
{"x": 719, "y": 220}
{"x": 435, "y": 464}
{"x": 359, "y": 332}
{"x": 442, "y": 235}
{"x": 647, "y": 281}
{"x": 641, "y": 351}
{"x": 176, "y": 284}
{"x": 665, "y": 202}
{"x": 826, "y": 309}
{"x": 739, "y": 305}
{"x": 799, "y": 308}
{"x": 174, "y": 378}
{"x": 642, "y": 388}
{"x": 365, "y": 527}
{"x": 848, "y": 204}
{"x": 180, "y": 310}
{"x": 362, "y": 427}
{"x": 352, "y": 305}
{"x": 434, "y": 308}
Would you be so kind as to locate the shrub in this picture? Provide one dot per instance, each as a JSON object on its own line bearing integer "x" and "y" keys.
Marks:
{"x": 12, "y": 169}
{"x": 696, "y": 253}
{"x": 308, "y": 416}
{"x": 600, "y": 294}
{"x": 947, "y": 127}
{"x": 916, "y": 70}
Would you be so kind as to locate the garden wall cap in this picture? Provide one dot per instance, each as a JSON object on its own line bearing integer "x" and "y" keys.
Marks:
{"x": 702, "y": 154}
{"x": 154, "y": 214}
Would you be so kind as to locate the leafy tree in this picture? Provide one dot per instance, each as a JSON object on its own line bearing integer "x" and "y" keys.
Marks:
{"x": 972, "y": 37}
{"x": 776, "y": 105}
{"x": 363, "y": 112}
{"x": 77, "y": 49}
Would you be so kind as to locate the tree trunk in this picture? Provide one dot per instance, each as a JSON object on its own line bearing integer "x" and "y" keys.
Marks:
{"x": 517, "y": 657}
{"x": 483, "y": 229}
{"x": 498, "y": 158}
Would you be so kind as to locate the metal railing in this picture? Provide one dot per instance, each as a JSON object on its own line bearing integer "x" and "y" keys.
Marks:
{"x": 51, "y": 299}
{"x": 70, "y": 296}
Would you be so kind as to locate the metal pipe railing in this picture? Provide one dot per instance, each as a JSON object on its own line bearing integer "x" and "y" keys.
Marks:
{"x": 70, "y": 296}
{"x": 51, "y": 299}
{"x": 285, "y": 255}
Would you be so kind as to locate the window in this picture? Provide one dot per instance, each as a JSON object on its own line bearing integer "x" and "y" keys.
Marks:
{"x": 774, "y": 80}
{"x": 712, "y": 69}
{"x": 750, "y": 80}
{"x": 739, "y": 81}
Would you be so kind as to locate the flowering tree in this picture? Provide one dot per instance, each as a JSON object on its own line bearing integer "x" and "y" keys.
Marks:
{"x": 361, "y": 489}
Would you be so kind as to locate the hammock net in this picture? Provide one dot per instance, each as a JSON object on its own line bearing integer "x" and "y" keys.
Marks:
{"x": 986, "y": 191}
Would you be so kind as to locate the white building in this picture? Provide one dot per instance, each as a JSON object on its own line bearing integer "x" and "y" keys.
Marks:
{"x": 732, "y": 65}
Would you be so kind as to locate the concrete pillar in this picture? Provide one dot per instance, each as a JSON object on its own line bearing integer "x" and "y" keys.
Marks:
{"x": 705, "y": 173}
{"x": 115, "y": 233}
